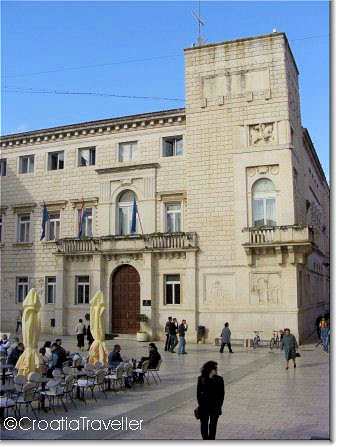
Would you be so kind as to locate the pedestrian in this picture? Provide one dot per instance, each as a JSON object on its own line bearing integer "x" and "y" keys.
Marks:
{"x": 90, "y": 338}
{"x": 4, "y": 344}
{"x": 13, "y": 357}
{"x": 325, "y": 334}
{"x": 226, "y": 338}
{"x": 289, "y": 344}
{"x": 18, "y": 321}
{"x": 80, "y": 334}
{"x": 173, "y": 335}
{"x": 182, "y": 341}
{"x": 167, "y": 333}
{"x": 210, "y": 396}
{"x": 317, "y": 325}
{"x": 12, "y": 345}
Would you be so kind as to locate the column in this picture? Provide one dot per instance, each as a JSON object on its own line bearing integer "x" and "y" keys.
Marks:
{"x": 190, "y": 294}
{"x": 60, "y": 323}
{"x": 147, "y": 294}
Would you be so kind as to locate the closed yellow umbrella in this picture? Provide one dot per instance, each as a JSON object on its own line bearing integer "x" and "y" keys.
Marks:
{"x": 31, "y": 327}
{"x": 98, "y": 351}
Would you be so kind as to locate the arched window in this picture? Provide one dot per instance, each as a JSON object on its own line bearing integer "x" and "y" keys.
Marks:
{"x": 264, "y": 203}
{"x": 124, "y": 211}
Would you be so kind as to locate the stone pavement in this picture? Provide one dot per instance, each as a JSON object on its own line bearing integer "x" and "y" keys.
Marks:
{"x": 262, "y": 401}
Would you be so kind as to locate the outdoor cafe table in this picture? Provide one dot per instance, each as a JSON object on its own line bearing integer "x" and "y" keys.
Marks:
{"x": 43, "y": 381}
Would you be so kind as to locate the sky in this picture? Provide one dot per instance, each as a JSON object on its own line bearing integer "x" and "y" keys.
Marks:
{"x": 136, "y": 49}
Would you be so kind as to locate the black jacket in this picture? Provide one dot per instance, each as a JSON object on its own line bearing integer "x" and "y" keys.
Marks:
{"x": 181, "y": 330}
{"x": 172, "y": 328}
{"x": 210, "y": 394}
{"x": 14, "y": 356}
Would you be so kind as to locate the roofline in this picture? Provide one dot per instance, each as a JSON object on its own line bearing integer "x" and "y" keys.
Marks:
{"x": 88, "y": 124}
{"x": 314, "y": 154}
{"x": 244, "y": 39}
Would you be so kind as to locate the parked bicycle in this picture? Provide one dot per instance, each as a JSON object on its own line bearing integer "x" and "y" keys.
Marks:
{"x": 257, "y": 341}
{"x": 275, "y": 341}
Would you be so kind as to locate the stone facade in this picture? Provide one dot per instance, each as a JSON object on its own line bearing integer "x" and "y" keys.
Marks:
{"x": 241, "y": 124}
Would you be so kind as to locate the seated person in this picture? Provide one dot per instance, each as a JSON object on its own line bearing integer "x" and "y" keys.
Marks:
{"x": 153, "y": 357}
{"x": 44, "y": 360}
{"x": 15, "y": 354}
{"x": 4, "y": 344}
{"x": 115, "y": 357}
{"x": 56, "y": 360}
{"x": 13, "y": 344}
{"x": 47, "y": 346}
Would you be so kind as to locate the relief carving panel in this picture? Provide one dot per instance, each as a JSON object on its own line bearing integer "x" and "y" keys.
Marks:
{"x": 263, "y": 133}
{"x": 265, "y": 288}
{"x": 219, "y": 289}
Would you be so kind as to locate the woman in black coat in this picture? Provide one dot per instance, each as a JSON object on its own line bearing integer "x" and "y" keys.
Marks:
{"x": 210, "y": 395}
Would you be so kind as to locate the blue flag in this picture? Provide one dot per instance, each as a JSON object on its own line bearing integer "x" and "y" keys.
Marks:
{"x": 45, "y": 218}
{"x": 134, "y": 216}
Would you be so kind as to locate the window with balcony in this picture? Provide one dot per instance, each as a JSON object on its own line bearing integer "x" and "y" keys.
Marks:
{"x": 172, "y": 146}
{"x": 86, "y": 222}
{"x": 124, "y": 212}
{"x": 87, "y": 156}
{"x": 26, "y": 164}
{"x": 53, "y": 231}
{"x": 264, "y": 203}
{"x": 55, "y": 161}
{"x": 21, "y": 288}
{"x": 127, "y": 151}
{"x": 3, "y": 167}
{"x": 173, "y": 217}
{"x": 82, "y": 290}
{"x": 172, "y": 289}
{"x": 50, "y": 291}
{"x": 23, "y": 231}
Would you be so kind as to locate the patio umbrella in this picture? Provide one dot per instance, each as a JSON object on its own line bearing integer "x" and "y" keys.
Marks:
{"x": 98, "y": 351}
{"x": 31, "y": 327}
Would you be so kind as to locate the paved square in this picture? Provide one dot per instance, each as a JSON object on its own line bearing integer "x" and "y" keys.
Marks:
{"x": 262, "y": 401}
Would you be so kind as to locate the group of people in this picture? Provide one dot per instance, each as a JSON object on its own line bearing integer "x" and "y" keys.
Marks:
{"x": 172, "y": 330}
{"x": 83, "y": 330}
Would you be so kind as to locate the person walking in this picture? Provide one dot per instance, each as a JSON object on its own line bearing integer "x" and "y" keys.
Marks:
{"x": 18, "y": 321}
{"x": 226, "y": 339}
{"x": 90, "y": 338}
{"x": 325, "y": 333}
{"x": 182, "y": 341}
{"x": 80, "y": 334}
{"x": 167, "y": 333}
{"x": 289, "y": 345}
{"x": 210, "y": 396}
{"x": 173, "y": 335}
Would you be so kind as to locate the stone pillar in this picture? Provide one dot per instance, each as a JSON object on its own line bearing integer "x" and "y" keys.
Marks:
{"x": 191, "y": 294}
{"x": 60, "y": 323}
{"x": 146, "y": 293}
{"x": 97, "y": 272}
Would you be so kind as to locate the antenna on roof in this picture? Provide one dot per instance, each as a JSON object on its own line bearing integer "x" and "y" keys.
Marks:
{"x": 200, "y": 40}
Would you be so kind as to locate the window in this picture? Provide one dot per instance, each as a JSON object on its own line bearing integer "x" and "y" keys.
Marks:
{"x": 87, "y": 222}
{"x": 55, "y": 160}
{"x": 172, "y": 289}
{"x": 3, "y": 167}
{"x": 21, "y": 288}
{"x": 82, "y": 289}
{"x": 173, "y": 217}
{"x": 53, "y": 232}
{"x": 172, "y": 146}
{"x": 50, "y": 289}
{"x": 23, "y": 227}
{"x": 1, "y": 228}
{"x": 264, "y": 203}
{"x": 87, "y": 156}
{"x": 26, "y": 164}
{"x": 125, "y": 207}
{"x": 127, "y": 151}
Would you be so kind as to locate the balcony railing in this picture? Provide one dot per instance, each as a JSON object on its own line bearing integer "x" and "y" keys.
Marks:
{"x": 132, "y": 243}
{"x": 294, "y": 234}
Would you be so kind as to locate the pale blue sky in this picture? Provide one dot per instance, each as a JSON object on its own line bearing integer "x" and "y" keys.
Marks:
{"x": 59, "y": 37}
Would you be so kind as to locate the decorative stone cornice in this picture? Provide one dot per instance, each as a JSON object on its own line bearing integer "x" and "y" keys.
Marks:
{"x": 22, "y": 207}
{"x": 96, "y": 128}
{"x": 54, "y": 203}
{"x": 132, "y": 167}
{"x": 76, "y": 203}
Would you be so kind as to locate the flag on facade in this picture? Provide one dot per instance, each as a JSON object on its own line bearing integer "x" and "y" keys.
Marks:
{"x": 45, "y": 218}
{"x": 81, "y": 217}
{"x": 134, "y": 216}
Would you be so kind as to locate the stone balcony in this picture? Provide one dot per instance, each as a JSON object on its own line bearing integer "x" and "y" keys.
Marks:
{"x": 294, "y": 241}
{"x": 132, "y": 244}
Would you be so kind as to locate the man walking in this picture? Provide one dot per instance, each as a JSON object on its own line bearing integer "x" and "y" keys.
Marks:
{"x": 173, "y": 335}
{"x": 167, "y": 333}
{"x": 182, "y": 342}
{"x": 226, "y": 338}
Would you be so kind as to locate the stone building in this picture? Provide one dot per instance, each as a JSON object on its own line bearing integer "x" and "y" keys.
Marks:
{"x": 232, "y": 201}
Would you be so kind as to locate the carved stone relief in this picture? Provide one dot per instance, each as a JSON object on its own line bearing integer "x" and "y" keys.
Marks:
{"x": 262, "y": 170}
{"x": 219, "y": 289}
{"x": 265, "y": 288}
{"x": 263, "y": 133}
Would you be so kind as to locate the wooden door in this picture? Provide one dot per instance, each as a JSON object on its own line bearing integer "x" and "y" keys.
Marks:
{"x": 125, "y": 300}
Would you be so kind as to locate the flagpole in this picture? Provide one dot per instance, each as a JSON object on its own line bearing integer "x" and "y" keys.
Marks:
{"x": 140, "y": 222}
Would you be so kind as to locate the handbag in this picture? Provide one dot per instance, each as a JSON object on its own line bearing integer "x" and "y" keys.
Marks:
{"x": 298, "y": 354}
{"x": 197, "y": 413}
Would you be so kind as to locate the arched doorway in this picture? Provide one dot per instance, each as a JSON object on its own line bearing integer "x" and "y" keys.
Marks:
{"x": 125, "y": 300}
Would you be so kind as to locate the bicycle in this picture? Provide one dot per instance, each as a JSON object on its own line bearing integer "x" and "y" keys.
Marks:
{"x": 275, "y": 340}
{"x": 257, "y": 339}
